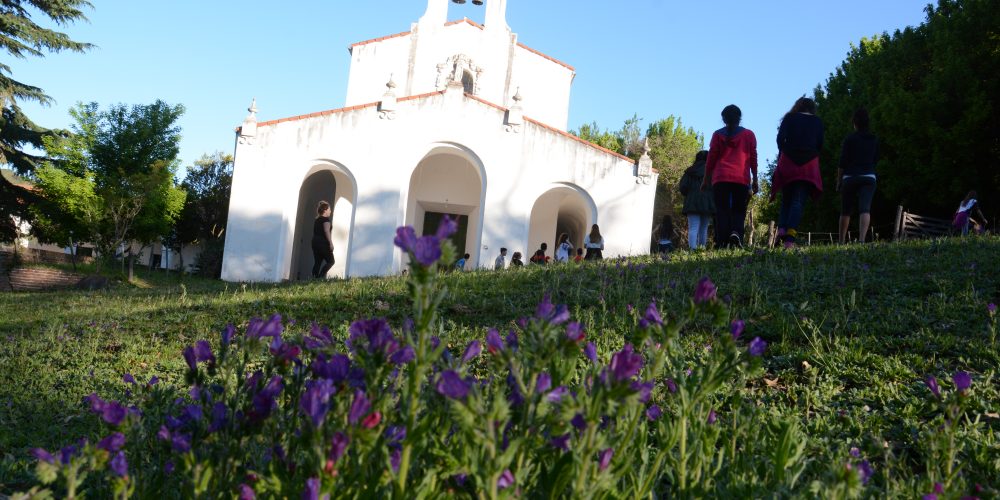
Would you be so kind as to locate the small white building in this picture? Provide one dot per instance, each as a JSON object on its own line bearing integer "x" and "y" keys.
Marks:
{"x": 449, "y": 118}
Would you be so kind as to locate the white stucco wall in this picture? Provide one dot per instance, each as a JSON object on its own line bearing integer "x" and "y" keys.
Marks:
{"x": 380, "y": 155}
{"x": 506, "y": 67}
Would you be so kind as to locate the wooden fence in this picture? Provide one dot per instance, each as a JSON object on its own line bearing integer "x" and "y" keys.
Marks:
{"x": 910, "y": 226}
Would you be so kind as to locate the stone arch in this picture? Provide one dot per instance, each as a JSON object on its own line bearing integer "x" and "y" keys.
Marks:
{"x": 560, "y": 208}
{"x": 448, "y": 179}
{"x": 334, "y": 183}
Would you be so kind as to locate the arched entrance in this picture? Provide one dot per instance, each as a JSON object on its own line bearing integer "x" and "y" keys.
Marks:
{"x": 449, "y": 181}
{"x": 335, "y": 186}
{"x": 564, "y": 208}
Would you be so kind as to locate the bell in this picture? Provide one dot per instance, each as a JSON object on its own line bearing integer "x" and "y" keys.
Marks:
{"x": 460, "y": 2}
{"x": 477, "y": 2}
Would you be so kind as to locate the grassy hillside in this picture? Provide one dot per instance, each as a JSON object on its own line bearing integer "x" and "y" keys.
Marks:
{"x": 852, "y": 333}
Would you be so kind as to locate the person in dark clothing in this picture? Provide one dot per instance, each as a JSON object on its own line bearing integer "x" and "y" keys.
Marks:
{"x": 515, "y": 260}
{"x": 699, "y": 206}
{"x": 856, "y": 175}
{"x": 797, "y": 176}
{"x": 539, "y": 257}
{"x": 731, "y": 168}
{"x": 322, "y": 244}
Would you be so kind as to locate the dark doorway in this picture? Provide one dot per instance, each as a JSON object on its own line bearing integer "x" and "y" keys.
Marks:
{"x": 433, "y": 219}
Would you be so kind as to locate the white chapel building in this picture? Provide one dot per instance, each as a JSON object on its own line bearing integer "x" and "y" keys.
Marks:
{"x": 448, "y": 118}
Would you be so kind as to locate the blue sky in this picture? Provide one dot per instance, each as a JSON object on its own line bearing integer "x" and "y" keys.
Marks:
{"x": 650, "y": 57}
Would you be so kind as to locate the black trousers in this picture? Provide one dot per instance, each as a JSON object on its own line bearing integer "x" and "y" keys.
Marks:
{"x": 730, "y": 210}
{"x": 321, "y": 253}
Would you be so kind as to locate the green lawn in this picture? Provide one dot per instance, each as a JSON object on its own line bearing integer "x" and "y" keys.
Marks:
{"x": 852, "y": 331}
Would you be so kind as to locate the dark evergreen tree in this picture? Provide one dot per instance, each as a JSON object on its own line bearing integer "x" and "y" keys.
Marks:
{"x": 21, "y": 37}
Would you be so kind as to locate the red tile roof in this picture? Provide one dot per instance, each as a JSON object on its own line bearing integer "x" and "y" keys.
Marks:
{"x": 472, "y": 23}
{"x": 470, "y": 96}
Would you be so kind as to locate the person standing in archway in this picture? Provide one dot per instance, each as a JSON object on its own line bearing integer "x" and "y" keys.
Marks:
{"x": 594, "y": 243}
{"x": 731, "y": 168}
{"x": 564, "y": 248}
{"x": 322, "y": 241}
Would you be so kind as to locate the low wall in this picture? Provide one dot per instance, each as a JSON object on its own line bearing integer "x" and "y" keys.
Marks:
{"x": 34, "y": 255}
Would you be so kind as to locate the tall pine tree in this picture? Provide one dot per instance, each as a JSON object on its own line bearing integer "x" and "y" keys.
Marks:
{"x": 21, "y": 37}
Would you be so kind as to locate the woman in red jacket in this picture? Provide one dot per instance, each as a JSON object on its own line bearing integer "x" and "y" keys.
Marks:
{"x": 732, "y": 169}
{"x": 797, "y": 176}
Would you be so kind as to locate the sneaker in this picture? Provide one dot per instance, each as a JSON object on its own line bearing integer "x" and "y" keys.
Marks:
{"x": 734, "y": 240}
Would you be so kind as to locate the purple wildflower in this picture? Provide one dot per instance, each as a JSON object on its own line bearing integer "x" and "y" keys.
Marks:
{"x": 112, "y": 443}
{"x": 543, "y": 383}
{"x": 180, "y": 442}
{"x": 312, "y": 489}
{"x": 506, "y": 480}
{"x": 319, "y": 337}
{"x": 192, "y": 413}
{"x": 654, "y": 412}
{"x": 153, "y": 381}
{"x": 43, "y": 455}
{"x": 939, "y": 488}
{"x": 574, "y": 332}
{"x": 579, "y": 422}
{"x": 128, "y": 379}
{"x": 246, "y": 492}
{"x": 555, "y": 315}
{"x": 932, "y": 384}
{"x": 561, "y": 442}
{"x": 991, "y": 308}
{"x": 395, "y": 458}
{"x": 712, "y": 417}
{"x": 652, "y": 316}
{"x": 119, "y": 465}
{"x": 336, "y": 369}
{"x": 671, "y": 385}
{"x": 511, "y": 340}
{"x": 556, "y": 395}
{"x": 315, "y": 402}
{"x": 395, "y": 434}
{"x": 865, "y": 471}
{"x": 736, "y": 328}
{"x": 590, "y": 351}
{"x": 929, "y": 496}
{"x": 446, "y": 228}
{"x": 494, "y": 343}
{"x": 451, "y": 385}
{"x": 220, "y": 416}
{"x": 604, "y": 459}
{"x": 203, "y": 351}
{"x": 427, "y": 250}
{"x": 113, "y": 413}
{"x": 406, "y": 238}
{"x": 258, "y": 329}
{"x": 190, "y": 358}
{"x": 472, "y": 351}
{"x": 403, "y": 356}
{"x": 359, "y": 407}
{"x": 625, "y": 364}
{"x": 284, "y": 353}
{"x": 757, "y": 346}
{"x": 962, "y": 380}
{"x": 645, "y": 390}
{"x": 263, "y": 401}
{"x": 705, "y": 291}
{"x": 855, "y": 452}
{"x": 227, "y": 335}
{"x": 376, "y": 334}
{"x": 338, "y": 445}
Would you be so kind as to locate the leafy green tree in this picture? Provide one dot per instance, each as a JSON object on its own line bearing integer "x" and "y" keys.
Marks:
{"x": 21, "y": 37}
{"x": 112, "y": 180}
{"x": 672, "y": 148}
{"x": 932, "y": 95}
{"x": 591, "y": 132}
{"x": 206, "y": 211}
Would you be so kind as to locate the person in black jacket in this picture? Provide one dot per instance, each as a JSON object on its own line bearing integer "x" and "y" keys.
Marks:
{"x": 856, "y": 175}
{"x": 322, "y": 244}
{"x": 699, "y": 205}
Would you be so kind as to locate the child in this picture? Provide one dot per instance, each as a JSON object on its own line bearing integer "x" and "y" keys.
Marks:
{"x": 460, "y": 265}
{"x": 539, "y": 256}
{"x": 515, "y": 260}
{"x": 579, "y": 255}
{"x": 665, "y": 231}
